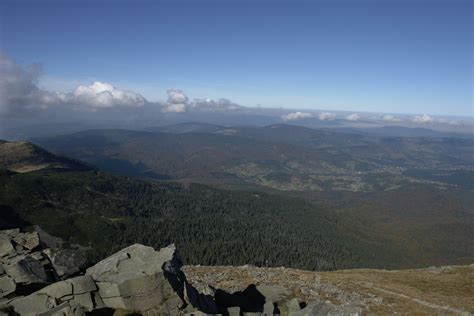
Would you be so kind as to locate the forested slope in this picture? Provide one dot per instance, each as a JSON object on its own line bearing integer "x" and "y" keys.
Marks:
{"x": 210, "y": 226}
{"x": 415, "y": 225}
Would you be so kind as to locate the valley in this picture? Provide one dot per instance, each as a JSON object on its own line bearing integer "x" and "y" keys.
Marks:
{"x": 276, "y": 157}
{"x": 409, "y": 224}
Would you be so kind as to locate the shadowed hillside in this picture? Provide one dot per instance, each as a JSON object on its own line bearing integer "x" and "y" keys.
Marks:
{"x": 213, "y": 226}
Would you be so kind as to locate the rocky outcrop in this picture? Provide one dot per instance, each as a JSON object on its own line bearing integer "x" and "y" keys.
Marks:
{"x": 140, "y": 280}
{"x": 136, "y": 279}
{"x": 133, "y": 278}
{"x": 24, "y": 267}
{"x": 76, "y": 295}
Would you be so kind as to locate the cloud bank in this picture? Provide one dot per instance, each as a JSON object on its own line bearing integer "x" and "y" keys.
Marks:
{"x": 295, "y": 116}
{"x": 178, "y": 102}
{"x": 423, "y": 119}
{"x": 21, "y": 97}
{"x": 326, "y": 116}
{"x": 19, "y": 94}
{"x": 353, "y": 117}
{"x": 104, "y": 95}
{"x": 390, "y": 118}
{"x": 215, "y": 105}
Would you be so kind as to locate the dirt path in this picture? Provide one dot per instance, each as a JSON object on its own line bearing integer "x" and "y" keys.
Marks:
{"x": 421, "y": 302}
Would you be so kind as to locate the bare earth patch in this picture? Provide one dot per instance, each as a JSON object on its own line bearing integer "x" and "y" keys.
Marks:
{"x": 447, "y": 290}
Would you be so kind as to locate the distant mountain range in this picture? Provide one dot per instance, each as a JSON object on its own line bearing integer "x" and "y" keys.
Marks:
{"x": 399, "y": 131}
{"x": 277, "y": 157}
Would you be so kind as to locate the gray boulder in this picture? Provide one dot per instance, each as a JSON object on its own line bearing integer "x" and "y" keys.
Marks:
{"x": 66, "y": 262}
{"x": 33, "y": 304}
{"x": 69, "y": 309}
{"x": 7, "y": 285}
{"x": 24, "y": 262}
{"x": 6, "y": 246}
{"x": 293, "y": 305}
{"x": 75, "y": 295}
{"x": 28, "y": 269}
{"x": 23, "y": 265}
{"x": 133, "y": 278}
{"x": 29, "y": 241}
{"x": 136, "y": 278}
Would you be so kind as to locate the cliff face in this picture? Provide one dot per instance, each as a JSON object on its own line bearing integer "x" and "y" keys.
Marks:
{"x": 138, "y": 279}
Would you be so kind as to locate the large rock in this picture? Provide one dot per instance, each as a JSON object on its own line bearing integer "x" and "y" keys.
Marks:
{"x": 23, "y": 265}
{"x": 29, "y": 269}
{"x": 66, "y": 262}
{"x": 29, "y": 241}
{"x": 132, "y": 262}
{"x": 6, "y": 246}
{"x": 134, "y": 279}
{"x": 7, "y": 285}
{"x": 33, "y": 304}
{"x": 70, "y": 295}
{"x": 69, "y": 309}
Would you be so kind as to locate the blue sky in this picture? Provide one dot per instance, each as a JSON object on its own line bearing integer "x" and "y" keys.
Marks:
{"x": 383, "y": 56}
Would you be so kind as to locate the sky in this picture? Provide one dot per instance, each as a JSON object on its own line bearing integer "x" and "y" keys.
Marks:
{"x": 377, "y": 56}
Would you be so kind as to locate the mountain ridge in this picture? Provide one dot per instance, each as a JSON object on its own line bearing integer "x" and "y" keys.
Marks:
{"x": 22, "y": 156}
{"x": 282, "y": 158}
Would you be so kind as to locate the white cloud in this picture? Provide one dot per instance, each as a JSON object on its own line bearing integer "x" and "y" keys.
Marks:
{"x": 326, "y": 116}
{"x": 423, "y": 119}
{"x": 296, "y": 116}
{"x": 176, "y": 96}
{"x": 177, "y": 102}
{"x": 353, "y": 117}
{"x": 215, "y": 105}
{"x": 19, "y": 93}
{"x": 20, "y": 96}
{"x": 104, "y": 95}
{"x": 175, "y": 108}
{"x": 390, "y": 118}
